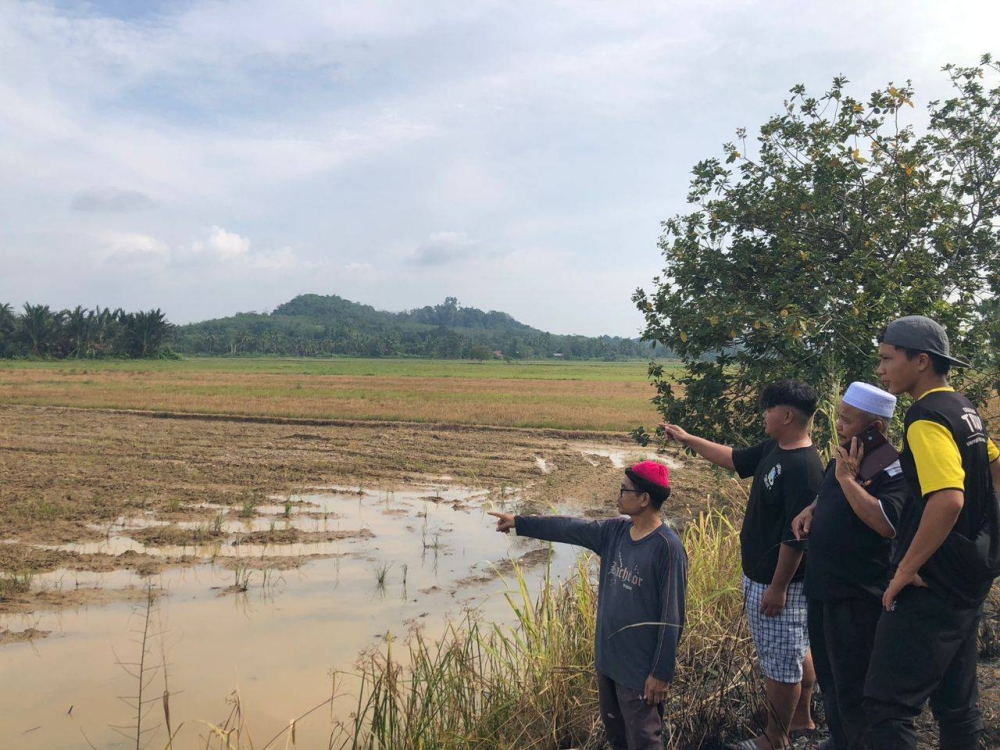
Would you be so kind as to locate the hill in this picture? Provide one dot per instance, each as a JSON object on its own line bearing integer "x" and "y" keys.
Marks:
{"x": 315, "y": 325}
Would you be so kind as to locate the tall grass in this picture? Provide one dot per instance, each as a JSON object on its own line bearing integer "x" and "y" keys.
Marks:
{"x": 483, "y": 685}
{"x": 531, "y": 684}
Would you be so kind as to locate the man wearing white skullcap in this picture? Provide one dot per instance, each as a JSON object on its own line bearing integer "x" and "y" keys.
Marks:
{"x": 850, "y": 527}
{"x": 870, "y": 399}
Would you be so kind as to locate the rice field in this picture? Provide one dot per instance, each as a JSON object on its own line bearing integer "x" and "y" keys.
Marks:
{"x": 612, "y": 396}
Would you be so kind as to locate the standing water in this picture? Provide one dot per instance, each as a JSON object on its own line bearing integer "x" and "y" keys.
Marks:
{"x": 243, "y": 622}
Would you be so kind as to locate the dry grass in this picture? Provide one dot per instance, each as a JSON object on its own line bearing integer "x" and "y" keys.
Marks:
{"x": 580, "y": 400}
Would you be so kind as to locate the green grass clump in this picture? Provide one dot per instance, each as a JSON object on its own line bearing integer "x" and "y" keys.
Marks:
{"x": 15, "y": 582}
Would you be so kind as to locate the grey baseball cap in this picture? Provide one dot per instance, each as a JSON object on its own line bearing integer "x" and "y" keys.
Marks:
{"x": 922, "y": 334}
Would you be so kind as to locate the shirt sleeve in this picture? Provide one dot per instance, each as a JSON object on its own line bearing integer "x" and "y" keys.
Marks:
{"x": 891, "y": 494}
{"x": 745, "y": 460}
{"x": 673, "y": 590}
{"x": 992, "y": 450}
{"x": 589, "y": 534}
{"x": 939, "y": 463}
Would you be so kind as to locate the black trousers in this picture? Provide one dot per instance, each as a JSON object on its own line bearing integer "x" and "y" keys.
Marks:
{"x": 924, "y": 649}
{"x": 842, "y": 635}
{"x": 815, "y": 623}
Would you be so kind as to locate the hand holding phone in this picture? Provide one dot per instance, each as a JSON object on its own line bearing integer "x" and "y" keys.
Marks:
{"x": 870, "y": 439}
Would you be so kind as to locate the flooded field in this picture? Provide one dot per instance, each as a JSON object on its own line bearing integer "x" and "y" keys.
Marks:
{"x": 267, "y": 556}
{"x": 377, "y": 564}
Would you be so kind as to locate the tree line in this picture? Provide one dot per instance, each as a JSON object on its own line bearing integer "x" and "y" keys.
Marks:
{"x": 312, "y": 325}
{"x": 259, "y": 334}
{"x": 307, "y": 326}
{"x": 39, "y": 331}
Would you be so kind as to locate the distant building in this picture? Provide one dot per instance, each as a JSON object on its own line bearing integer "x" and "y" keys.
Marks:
{"x": 498, "y": 354}
{"x": 558, "y": 355}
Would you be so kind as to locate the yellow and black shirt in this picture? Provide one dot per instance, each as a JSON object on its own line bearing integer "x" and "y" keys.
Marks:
{"x": 945, "y": 446}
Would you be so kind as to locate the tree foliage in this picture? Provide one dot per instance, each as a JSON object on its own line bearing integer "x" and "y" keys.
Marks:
{"x": 841, "y": 217}
{"x": 82, "y": 334}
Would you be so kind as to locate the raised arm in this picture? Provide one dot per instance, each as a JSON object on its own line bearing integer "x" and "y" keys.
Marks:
{"x": 720, "y": 455}
{"x": 866, "y": 506}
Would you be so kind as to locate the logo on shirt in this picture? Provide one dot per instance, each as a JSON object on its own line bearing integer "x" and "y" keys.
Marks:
{"x": 772, "y": 476}
{"x": 628, "y": 578}
{"x": 972, "y": 419}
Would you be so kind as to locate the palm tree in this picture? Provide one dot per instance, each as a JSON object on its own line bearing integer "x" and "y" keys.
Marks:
{"x": 8, "y": 327}
{"x": 41, "y": 326}
{"x": 78, "y": 326}
{"x": 149, "y": 331}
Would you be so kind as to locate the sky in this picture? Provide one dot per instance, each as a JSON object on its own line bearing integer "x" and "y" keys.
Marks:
{"x": 209, "y": 157}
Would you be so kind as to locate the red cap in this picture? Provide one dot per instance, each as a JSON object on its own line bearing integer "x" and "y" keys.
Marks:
{"x": 652, "y": 472}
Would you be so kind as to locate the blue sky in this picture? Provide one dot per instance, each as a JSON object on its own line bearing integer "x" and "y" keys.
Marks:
{"x": 214, "y": 157}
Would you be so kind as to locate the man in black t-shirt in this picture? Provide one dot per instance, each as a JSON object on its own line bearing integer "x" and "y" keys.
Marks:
{"x": 850, "y": 527}
{"x": 786, "y": 472}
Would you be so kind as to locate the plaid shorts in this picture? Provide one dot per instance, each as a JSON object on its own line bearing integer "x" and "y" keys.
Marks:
{"x": 782, "y": 641}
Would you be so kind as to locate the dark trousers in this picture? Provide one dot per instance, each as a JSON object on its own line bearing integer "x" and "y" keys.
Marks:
{"x": 815, "y": 622}
{"x": 925, "y": 648}
{"x": 850, "y": 626}
{"x": 629, "y": 723}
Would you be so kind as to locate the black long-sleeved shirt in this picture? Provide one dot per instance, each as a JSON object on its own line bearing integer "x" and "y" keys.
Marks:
{"x": 640, "y": 597}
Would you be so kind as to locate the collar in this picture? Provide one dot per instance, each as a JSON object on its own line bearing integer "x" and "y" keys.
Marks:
{"x": 942, "y": 389}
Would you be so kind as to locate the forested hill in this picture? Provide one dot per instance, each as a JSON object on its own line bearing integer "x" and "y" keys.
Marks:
{"x": 314, "y": 325}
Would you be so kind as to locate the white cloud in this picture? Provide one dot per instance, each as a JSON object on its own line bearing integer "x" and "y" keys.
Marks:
{"x": 279, "y": 259}
{"x": 222, "y": 245}
{"x": 133, "y": 247}
{"x": 230, "y": 250}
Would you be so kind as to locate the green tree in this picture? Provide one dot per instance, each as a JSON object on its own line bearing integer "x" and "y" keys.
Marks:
{"x": 8, "y": 329}
{"x": 480, "y": 353}
{"x": 801, "y": 248}
{"x": 41, "y": 327}
{"x": 78, "y": 327}
{"x": 145, "y": 333}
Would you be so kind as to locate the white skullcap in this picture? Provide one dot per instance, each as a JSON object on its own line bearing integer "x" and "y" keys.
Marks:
{"x": 870, "y": 399}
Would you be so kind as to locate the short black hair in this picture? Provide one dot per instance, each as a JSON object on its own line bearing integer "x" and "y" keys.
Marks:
{"x": 657, "y": 495}
{"x": 941, "y": 365}
{"x": 799, "y": 396}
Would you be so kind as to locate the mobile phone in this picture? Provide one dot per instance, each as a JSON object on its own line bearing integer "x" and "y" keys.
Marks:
{"x": 870, "y": 439}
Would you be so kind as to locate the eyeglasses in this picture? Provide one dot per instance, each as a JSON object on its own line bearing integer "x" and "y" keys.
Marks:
{"x": 625, "y": 489}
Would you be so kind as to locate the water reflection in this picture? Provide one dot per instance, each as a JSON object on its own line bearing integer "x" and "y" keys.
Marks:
{"x": 243, "y": 618}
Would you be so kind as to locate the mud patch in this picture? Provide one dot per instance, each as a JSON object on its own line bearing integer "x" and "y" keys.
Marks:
{"x": 19, "y": 636}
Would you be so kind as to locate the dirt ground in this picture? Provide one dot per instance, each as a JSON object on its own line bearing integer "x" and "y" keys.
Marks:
{"x": 67, "y": 475}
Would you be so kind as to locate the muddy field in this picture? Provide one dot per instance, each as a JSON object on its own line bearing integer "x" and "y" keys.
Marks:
{"x": 69, "y": 475}
{"x": 70, "y": 479}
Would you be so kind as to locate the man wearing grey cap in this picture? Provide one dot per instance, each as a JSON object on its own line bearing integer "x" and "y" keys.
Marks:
{"x": 850, "y": 526}
{"x": 948, "y": 553}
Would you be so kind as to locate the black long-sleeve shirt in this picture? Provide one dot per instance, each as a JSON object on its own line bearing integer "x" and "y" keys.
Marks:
{"x": 640, "y": 597}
